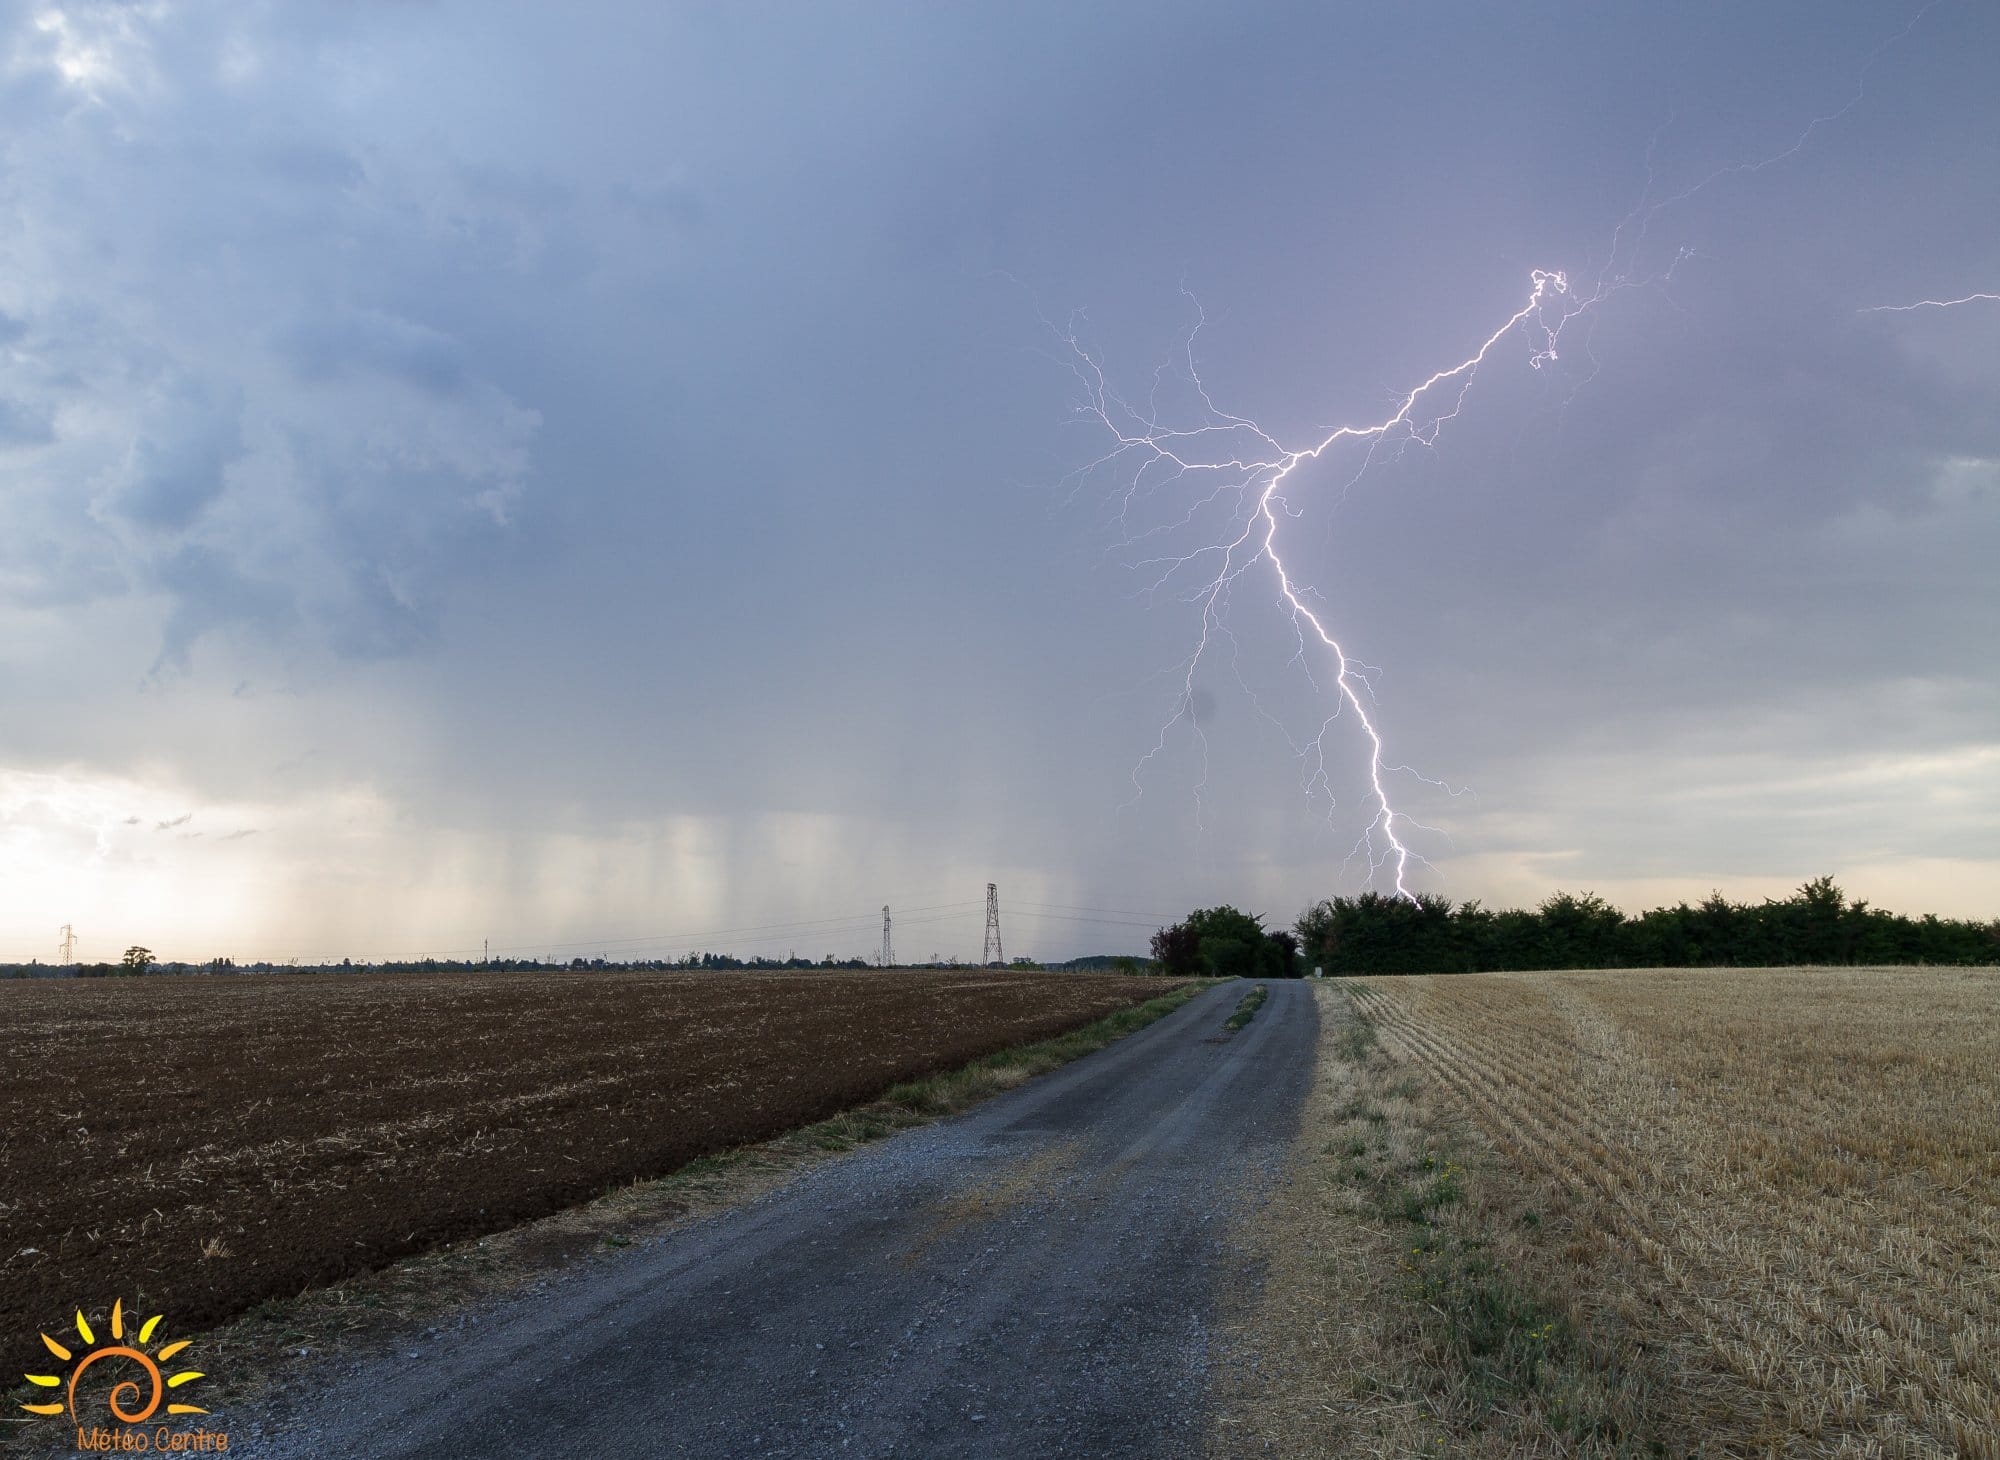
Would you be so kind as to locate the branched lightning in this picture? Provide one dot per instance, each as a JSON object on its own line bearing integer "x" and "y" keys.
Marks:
{"x": 1245, "y": 467}
{"x": 1250, "y": 465}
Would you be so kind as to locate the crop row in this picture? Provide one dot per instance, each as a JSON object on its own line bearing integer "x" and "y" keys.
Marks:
{"x": 1797, "y": 1174}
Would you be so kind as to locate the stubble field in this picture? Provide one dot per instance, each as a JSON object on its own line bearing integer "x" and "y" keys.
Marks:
{"x": 1721, "y": 1212}
{"x": 197, "y": 1145}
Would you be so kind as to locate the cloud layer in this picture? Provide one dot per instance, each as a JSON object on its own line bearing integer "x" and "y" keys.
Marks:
{"x": 506, "y": 471}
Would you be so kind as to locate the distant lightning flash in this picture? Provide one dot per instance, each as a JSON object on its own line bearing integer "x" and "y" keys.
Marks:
{"x": 1930, "y": 304}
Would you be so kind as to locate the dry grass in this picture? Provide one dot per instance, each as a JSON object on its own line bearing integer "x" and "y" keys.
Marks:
{"x": 1406, "y": 1306}
{"x": 1750, "y": 1212}
{"x": 1793, "y": 1174}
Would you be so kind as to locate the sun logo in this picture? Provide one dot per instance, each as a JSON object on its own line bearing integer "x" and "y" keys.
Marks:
{"x": 128, "y": 1392}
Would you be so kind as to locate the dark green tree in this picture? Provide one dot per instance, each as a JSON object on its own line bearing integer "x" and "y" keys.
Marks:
{"x": 1817, "y": 924}
{"x": 1579, "y": 930}
{"x": 1224, "y": 942}
{"x": 1231, "y": 942}
{"x": 1177, "y": 950}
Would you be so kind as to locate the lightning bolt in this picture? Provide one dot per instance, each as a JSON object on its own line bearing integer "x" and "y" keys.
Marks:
{"x": 1248, "y": 465}
{"x": 1930, "y": 304}
{"x": 1254, "y": 467}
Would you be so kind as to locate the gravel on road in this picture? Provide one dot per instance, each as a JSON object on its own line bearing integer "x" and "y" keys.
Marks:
{"x": 1036, "y": 1277}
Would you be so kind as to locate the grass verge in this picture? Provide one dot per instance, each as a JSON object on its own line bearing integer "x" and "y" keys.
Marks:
{"x": 417, "y": 1300}
{"x": 1247, "y": 1008}
{"x": 1415, "y": 1301}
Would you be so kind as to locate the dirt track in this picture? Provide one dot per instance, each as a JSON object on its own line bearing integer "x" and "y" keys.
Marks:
{"x": 1035, "y": 1278}
{"x": 195, "y": 1145}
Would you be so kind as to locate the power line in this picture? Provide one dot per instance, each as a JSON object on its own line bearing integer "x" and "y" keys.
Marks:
{"x": 1073, "y": 918}
{"x": 829, "y": 926}
{"x": 1121, "y": 911}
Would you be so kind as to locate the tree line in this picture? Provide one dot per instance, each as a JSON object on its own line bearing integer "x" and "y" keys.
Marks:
{"x": 1373, "y": 933}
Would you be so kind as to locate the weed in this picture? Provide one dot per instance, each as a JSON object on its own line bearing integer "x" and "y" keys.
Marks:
{"x": 1247, "y": 1009}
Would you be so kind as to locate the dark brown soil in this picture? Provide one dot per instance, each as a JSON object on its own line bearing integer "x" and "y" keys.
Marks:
{"x": 197, "y": 1145}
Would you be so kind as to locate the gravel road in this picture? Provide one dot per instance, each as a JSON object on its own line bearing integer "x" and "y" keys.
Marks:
{"x": 1035, "y": 1277}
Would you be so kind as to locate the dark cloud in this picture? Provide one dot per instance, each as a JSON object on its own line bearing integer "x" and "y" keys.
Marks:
{"x": 629, "y": 416}
{"x": 182, "y": 820}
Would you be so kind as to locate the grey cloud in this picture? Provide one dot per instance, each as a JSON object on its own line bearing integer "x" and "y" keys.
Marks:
{"x": 300, "y": 445}
{"x": 175, "y": 471}
{"x": 520, "y": 192}
{"x": 378, "y": 618}
{"x": 675, "y": 200}
{"x": 314, "y": 164}
{"x": 25, "y": 425}
{"x": 47, "y": 567}
{"x": 334, "y": 345}
{"x": 620, "y": 414}
{"x": 182, "y": 820}
{"x": 1774, "y": 400}
{"x": 208, "y": 593}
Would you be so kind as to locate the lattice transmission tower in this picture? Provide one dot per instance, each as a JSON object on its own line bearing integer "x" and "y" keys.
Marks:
{"x": 68, "y": 943}
{"x": 888, "y": 949}
{"x": 992, "y": 957}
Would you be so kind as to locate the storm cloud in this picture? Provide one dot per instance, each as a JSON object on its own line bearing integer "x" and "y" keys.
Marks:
{"x": 573, "y": 474}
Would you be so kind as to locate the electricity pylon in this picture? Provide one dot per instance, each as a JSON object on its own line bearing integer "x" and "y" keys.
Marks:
{"x": 992, "y": 955}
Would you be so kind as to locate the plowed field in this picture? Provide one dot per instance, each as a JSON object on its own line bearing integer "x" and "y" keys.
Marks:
{"x": 196, "y": 1145}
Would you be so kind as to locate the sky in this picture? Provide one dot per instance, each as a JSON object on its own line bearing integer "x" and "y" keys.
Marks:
{"x": 622, "y": 479}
